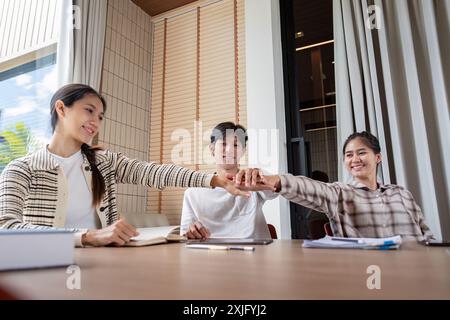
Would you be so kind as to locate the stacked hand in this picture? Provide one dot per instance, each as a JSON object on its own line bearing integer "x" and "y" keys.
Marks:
{"x": 246, "y": 180}
{"x": 253, "y": 179}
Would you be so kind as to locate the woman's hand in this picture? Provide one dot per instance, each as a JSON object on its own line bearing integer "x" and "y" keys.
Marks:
{"x": 197, "y": 231}
{"x": 254, "y": 180}
{"x": 117, "y": 234}
{"x": 229, "y": 185}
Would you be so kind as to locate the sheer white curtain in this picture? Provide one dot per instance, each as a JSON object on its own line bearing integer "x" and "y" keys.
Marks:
{"x": 81, "y": 41}
{"x": 392, "y": 79}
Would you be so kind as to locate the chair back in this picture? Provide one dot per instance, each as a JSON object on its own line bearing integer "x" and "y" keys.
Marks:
{"x": 273, "y": 231}
{"x": 146, "y": 220}
{"x": 327, "y": 228}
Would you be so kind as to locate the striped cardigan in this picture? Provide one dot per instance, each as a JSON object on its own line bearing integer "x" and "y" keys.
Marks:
{"x": 33, "y": 189}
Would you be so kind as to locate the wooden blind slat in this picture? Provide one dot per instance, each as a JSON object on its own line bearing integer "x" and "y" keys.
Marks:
{"x": 203, "y": 80}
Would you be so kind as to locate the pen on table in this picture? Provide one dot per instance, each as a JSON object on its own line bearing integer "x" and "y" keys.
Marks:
{"x": 345, "y": 239}
{"x": 214, "y": 247}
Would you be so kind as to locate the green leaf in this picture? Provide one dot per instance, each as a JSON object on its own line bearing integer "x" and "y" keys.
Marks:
{"x": 17, "y": 142}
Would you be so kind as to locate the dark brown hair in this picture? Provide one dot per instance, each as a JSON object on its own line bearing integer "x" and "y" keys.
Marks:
{"x": 368, "y": 139}
{"x": 220, "y": 131}
{"x": 69, "y": 94}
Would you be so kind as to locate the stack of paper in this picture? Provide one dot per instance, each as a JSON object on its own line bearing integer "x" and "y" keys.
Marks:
{"x": 355, "y": 243}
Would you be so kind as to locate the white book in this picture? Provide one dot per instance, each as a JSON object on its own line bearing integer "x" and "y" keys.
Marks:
{"x": 156, "y": 235}
{"x": 354, "y": 243}
{"x": 25, "y": 249}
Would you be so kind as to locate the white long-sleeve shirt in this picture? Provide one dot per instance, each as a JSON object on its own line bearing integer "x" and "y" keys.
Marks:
{"x": 225, "y": 215}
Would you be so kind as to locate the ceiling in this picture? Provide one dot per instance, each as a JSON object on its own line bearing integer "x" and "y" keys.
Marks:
{"x": 155, "y": 7}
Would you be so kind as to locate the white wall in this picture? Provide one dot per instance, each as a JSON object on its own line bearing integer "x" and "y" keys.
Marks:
{"x": 265, "y": 100}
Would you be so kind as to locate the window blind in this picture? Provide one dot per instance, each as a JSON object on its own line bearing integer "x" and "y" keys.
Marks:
{"x": 198, "y": 80}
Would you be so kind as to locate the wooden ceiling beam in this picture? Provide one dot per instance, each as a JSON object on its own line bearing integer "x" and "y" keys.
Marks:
{"x": 155, "y": 7}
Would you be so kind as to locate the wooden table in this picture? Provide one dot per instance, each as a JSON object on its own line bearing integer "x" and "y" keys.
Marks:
{"x": 282, "y": 270}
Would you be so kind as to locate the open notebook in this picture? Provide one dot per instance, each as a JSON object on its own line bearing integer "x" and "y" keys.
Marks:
{"x": 156, "y": 235}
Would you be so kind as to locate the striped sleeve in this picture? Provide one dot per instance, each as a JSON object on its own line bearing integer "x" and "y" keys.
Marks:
{"x": 15, "y": 182}
{"x": 310, "y": 193}
{"x": 159, "y": 176}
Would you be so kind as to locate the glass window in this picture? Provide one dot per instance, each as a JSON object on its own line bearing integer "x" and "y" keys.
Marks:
{"x": 24, "y": 107}
{"x": 28, "y": 45}
{"x": 316, "y": 98}
{"x": 308, "y": 53}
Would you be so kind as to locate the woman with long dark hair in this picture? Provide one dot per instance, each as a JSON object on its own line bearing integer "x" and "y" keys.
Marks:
{"x": 69, "y": 184}
{"x": 362, "y": 208}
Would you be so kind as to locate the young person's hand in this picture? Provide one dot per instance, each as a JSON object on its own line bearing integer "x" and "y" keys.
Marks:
{"x": 197, "y": 231}
{"x": 272, "y": 180}
{"x": 254, "y": 180}
{"x": 117, "y": 234}
{"x": 229, "y": 185}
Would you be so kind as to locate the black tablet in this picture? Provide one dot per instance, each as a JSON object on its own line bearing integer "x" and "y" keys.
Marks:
{"x": 229, "y": 241}
{"x": 435, "y": 243}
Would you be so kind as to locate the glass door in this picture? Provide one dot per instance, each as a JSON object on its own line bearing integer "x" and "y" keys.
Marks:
{"x": 310, "y": 99}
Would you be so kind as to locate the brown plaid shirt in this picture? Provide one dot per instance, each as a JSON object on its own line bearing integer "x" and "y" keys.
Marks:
{"x": 356, "y": 211}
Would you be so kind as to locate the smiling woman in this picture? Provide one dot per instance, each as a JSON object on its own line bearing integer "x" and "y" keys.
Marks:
{"x": 69, "y": 184}
{"x": 363, "y": 208}
{"x": 362, "y": 155}
{"x": 80, "y": 110}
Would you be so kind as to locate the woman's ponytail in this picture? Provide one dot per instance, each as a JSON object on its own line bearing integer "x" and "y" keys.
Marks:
{"x": 98, "y": 182}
